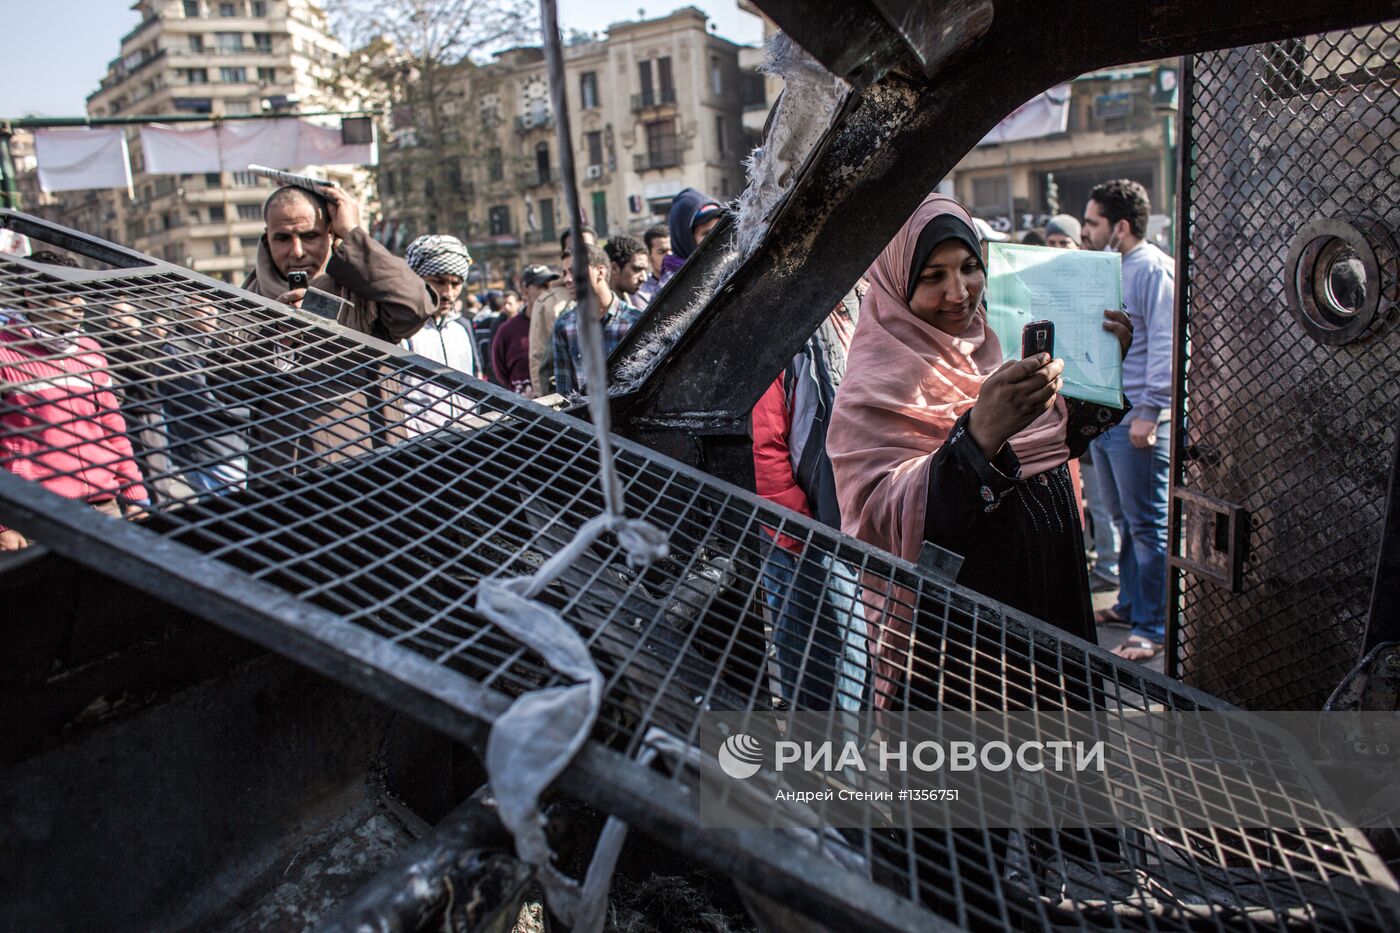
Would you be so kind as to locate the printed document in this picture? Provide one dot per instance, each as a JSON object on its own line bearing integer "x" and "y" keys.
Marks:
{"x": 1071, "y": 288}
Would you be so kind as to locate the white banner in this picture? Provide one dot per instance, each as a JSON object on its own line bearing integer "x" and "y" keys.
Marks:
{"x": 233, "y": 146}
{"x": 1042, "y": 115}
{"x": 82, "y": 158}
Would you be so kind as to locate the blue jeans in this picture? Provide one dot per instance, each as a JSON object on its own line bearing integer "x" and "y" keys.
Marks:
{"x": 1101, "y": 502}
{"x": 817, "y": 630}
{"x": 1139, "y": 477}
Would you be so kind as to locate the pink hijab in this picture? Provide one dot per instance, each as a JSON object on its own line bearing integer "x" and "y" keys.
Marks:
{"x": 906, "y": 384}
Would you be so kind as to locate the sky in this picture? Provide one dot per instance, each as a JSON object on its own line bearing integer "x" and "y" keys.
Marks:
{"x": 54, "y": 77}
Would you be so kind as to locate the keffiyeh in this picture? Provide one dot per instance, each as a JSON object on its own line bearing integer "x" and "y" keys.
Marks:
{"x": 438, "y": 255}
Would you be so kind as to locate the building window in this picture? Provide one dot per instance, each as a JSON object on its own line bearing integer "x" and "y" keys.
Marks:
{"x": 262, "y": 41}
{"x": 662, "y": 147}
{"x": 716, "y": 76}
{"x": 600, "y": 213}
{"x": 237, "y": 107}
{"x": 499, "y": 219}
{"x": 245, "y": 180}
{"x": 593, "y": 142}
{"x": 666, "y": 80}
{"x": 221, "y": 248}
{"x": 644, "y": 76}
{"x": 229, "y": 41}
{"x": 212, "y": 180}
{"x": 192, "y": 9}
{"x": 721, "y": 137}
{"x": 588, "y": 89}
{"x": 249, "y": 211}
{"x": 542, "y": 162}
{"x": 233, "y": 75}
{"x": 249, "y": 244}
{"x": 387, "y": 180}
{"x": 228, "y": 9}
{"x": 990, "y": 193}
{"x": 495, "y": 170}
{"x": 547, "y": 232}
{"x": 267, "y": 75}
{"x": 197, "y": 44}
{"x": 198, "y": 75}
{"x": 454, "y": 175}
{"x": 216, "y": 214}
{"x": 259, "y": 7}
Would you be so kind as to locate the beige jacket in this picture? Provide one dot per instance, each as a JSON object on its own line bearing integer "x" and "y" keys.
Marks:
{"x": 543, "y": 313}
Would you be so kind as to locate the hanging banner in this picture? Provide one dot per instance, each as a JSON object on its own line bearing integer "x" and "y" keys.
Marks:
{"x": 82, "y": 159}
{"x": 1042, "y": 115}
{"x": 233, "y": 146}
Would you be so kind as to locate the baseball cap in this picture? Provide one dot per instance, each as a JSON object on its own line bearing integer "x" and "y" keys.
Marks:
{"x": 985, "y": 231}
{"x": 538, "y": 275}
{"x": 704, "y": 213}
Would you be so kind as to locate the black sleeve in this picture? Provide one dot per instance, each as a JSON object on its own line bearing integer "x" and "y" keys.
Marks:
{"x": 1087, "y": 420}
{"x": 963, "y": 484}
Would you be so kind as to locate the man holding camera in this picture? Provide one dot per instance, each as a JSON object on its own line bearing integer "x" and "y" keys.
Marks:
{"x": 314, "y": 240}
{"x": 314, "y": 255}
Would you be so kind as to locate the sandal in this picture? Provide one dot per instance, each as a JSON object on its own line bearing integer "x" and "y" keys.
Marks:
{"x": 1108, "y": 617}
{"x": 1138, "y": 648}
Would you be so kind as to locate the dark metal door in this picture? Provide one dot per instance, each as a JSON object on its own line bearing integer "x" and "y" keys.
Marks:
{"x": 1287, "y": 362}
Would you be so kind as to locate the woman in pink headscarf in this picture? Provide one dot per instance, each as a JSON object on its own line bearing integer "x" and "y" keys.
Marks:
{"x": 934, "y": 439}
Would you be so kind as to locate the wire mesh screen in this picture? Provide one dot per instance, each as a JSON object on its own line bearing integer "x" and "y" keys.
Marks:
{"x": 1296, "y": 431}
{"x": 381, "y": 490}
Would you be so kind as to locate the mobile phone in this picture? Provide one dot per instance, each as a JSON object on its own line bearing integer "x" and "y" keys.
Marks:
{"x": 1038, "y": 337}
{"x": 298, "y": 279}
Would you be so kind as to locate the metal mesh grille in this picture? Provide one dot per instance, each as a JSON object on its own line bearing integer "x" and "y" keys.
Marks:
{"x": 285, "y": 449}
{"x": 1298, "y": 433}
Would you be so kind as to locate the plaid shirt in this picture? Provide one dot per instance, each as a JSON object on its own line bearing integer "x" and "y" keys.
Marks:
{"x": 568, "y": 351}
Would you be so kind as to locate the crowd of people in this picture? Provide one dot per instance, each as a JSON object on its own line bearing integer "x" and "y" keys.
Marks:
{"x": 897, "y": 422}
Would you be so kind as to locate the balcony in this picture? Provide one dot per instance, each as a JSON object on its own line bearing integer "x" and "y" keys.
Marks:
{"x": 534, "y": 178}
{"x": 120, "y": 71}
{"x": 140, "y": 28}
{"x": 657, "y": 158}
{"x": 646, "y": 101}
{"x": 533, "y": 121}
{"x": 246, "y": 51}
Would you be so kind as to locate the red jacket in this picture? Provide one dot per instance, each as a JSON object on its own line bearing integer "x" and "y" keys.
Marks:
{"x": 60, "y": 424}
{"x": 772, "y": 458}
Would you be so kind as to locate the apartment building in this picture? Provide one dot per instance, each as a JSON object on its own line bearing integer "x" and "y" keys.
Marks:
{"x": 1121, "y": 124}
{"x": 206, "y": 57}
{"x": 656, "y": 106}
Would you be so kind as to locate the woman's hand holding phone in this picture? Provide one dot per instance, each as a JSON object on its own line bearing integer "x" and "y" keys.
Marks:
{"x": 1011, "y": 398}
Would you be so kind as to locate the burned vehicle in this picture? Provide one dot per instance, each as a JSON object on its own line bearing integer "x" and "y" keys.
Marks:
{"x": 274, "y": 700}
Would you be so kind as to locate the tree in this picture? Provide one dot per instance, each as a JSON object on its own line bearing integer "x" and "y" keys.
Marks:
{"x": 420, "y": 54}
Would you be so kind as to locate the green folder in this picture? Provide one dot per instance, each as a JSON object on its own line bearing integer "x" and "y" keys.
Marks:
{"x": 1072, "y": 288}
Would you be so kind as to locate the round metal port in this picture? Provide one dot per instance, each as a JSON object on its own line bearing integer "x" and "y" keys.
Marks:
{"x": 1332, "y": 281}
